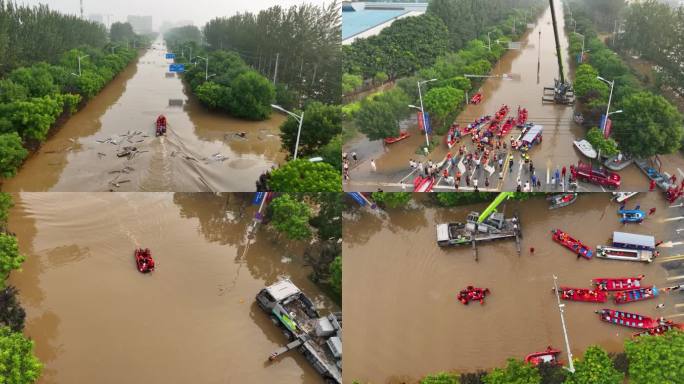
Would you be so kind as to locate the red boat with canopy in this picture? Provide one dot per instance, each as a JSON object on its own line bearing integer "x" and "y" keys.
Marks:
{"x": 659, "y": 330}
{"x": 144, "y": 260}
{"x": 549, "y": 356}
{"x": 626, "y": 319}
{"x": 583, "y": 294}
{"x": 619, "y": 283}
{"x": 160, "y": 125}
{"x": 572, "y": 244}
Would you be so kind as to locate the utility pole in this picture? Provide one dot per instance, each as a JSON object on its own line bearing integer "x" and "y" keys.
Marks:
{"x": 571, "y": 365}
{"x": 275, "y": 73}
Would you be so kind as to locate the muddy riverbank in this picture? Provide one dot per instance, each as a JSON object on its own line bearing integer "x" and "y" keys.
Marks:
{"x": 402, "y": 317}
{"x": 95, "y": 318}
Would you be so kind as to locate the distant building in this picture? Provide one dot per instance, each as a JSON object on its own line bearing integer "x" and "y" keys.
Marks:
{"x": 96, "y": 17}
{"x": 140, "y": 24}
{"x": 362, "y": 19}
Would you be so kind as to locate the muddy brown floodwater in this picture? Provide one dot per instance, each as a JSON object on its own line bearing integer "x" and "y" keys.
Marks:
{"x": 201, "y": 151}
{"x": 525, "y": 90}
{"x": 95, "y": 318}
{"x": 402, "y": 317}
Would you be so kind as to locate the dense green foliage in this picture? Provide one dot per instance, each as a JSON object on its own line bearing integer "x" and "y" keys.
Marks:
{"x": 516, "y": 372}
{"x": 392, "y": 199}
{"x": 304, "y": 176}
{"x": 351, "y": 83}
{"x": 468, "y": 19}
{"x": 290, "y": 216}
{"x": 234, "y": 87}
{"x": 608, "y": 147}
{"x": 5, "y": 204}
{"x": 182, "y": 35}
{"x": 596, "y": 367}
{"x": 404, "y": 47}
{"x": 378, "y": 117}
{"x": 442, "y": 103}
{"x": 12, "y": 315}
{"x": 31, "y": 34}
{"x": 12, "y": 154}
{"x": 10, "y": 258}
{"x": 440, "y": 378}
{"x": 449, "y": 199}
{"x": 121, "y": 32}
{"x": 321, "y": 124}
{"x": 305, "y": 39}
{"x": 656, "y": 359}
{"x": 336, "y": 275}
{"x": 18, "y": 365}
{"x": 650, "y": 125}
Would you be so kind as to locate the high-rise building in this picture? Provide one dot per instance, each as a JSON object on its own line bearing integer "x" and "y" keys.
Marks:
{"x": 140, "y": 24}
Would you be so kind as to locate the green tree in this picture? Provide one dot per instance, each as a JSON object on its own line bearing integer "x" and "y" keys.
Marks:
{"x": 656, "y": 359}
{"x": 5, "y": 204}
{"x": 328, "y": 221}
{"x": 12, "y": 315}
{"x": 290, "y": 217}
{"x": 449, "y": 199}
{"x": 213, "y": 95}
{"x": 379, "y": 116}
{"x": 393, "y": 199}
{"x": 649, "y": 125}
{"x": 332, "y": 152}
{"x": 321, "y": 123}
{"x": 12, "y": 154}
{"x": 595, "y": 368}
{"x": 10, "y": 258}
{"x": 36, "y": 79}
{"x": 18, "y": 365}
{"x": 442, "y": 102}
{"x": 440, "y": 378}
{"x": 351, "y": 83}
{"x": 252, "y": 95}
{"x": 336, "y": 275}
{"x": 304, "y": 176}
{"x": 608, "y": 147}
{"x": 121, "y": 32}
{"x": 516, "y": 372}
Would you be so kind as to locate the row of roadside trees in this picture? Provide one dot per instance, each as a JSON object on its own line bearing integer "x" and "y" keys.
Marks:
{"x": 40, "y": 85}
{"x": 649, "y": 124}
{"x": 235, "y": 81}
{"x": 17, "y": 362}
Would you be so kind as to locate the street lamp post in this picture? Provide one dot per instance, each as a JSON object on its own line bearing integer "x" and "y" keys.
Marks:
{"x": 299, "y": 118}
{"x": 206, "y": 67}
{"x": 610, "y": 98}
{"x": 582, "y": 54}
{"x": 571, "y": 365}
{"x": 489, "y": 42}
{"x": 422, "y": 110}
{"x": 79, "y": 65}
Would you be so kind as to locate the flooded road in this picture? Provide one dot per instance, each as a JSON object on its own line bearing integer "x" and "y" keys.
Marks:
{"x": 201, "y": 151}
{"x": 95, "y": 318}
{"x": 523, "y": 88}
{"x": 402, "y": 316}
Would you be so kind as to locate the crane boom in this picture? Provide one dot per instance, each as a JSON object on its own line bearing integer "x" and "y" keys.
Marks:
{"x": 558, "y": 47}
{"x": 492, "y": 207}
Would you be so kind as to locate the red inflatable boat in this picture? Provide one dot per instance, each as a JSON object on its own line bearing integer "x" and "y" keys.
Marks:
{"x": 472, "y": 294}
{"x": 619, "y": 283}
{"x": 144, "y": 260}
{"x": 392, "y": 140}
{"x": 161, "y": 125}
{"x": 549, "y": 356}
{"x": 583, "y": 294}
{"x": 572, "y": 244}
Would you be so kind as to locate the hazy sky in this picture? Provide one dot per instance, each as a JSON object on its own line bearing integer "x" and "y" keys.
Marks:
{"x": 199, "y": 11}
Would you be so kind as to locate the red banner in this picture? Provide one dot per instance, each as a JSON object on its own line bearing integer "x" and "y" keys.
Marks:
{"x": 420, "y": 121}
{"x": 609, "y": 125}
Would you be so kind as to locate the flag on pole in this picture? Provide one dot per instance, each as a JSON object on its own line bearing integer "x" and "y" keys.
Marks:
{"x": 428, "y": 127}
{"x": 606, "y": 125}
{"x": 420, "y": 121}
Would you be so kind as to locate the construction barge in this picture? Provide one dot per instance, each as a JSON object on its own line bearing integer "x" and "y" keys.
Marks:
{"x": 318, "y": 338}
{"x": 481, "y": 227}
